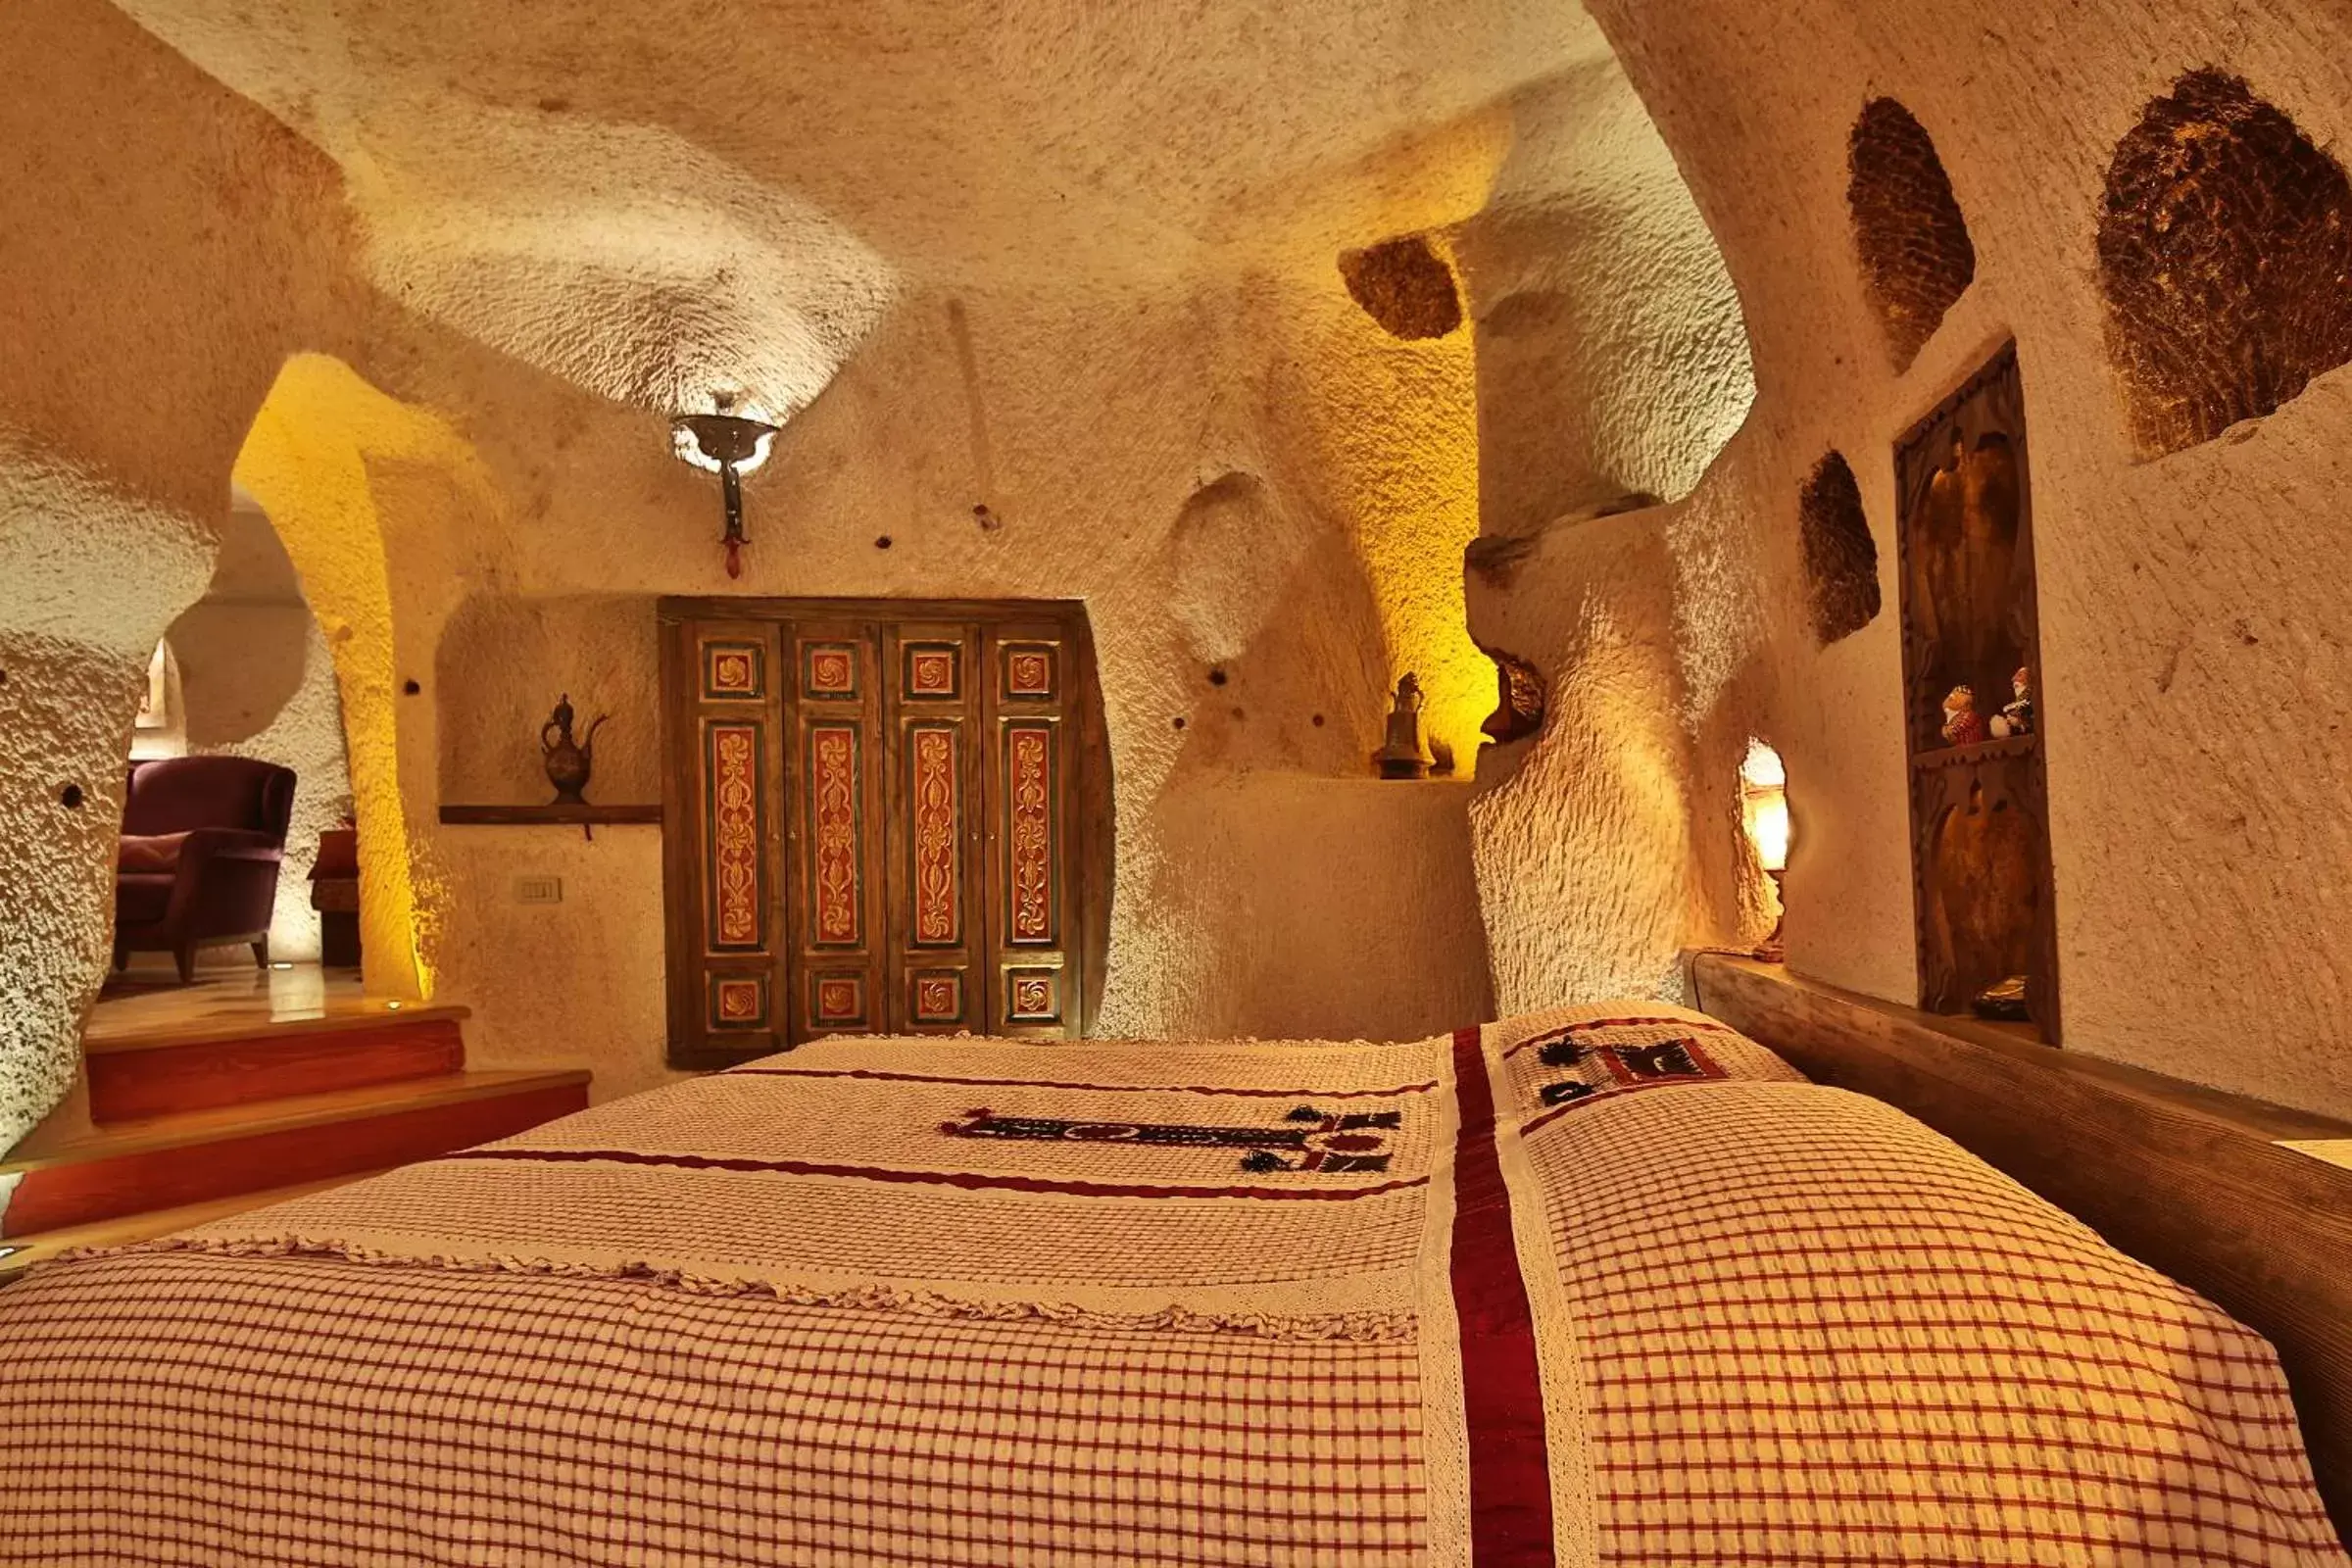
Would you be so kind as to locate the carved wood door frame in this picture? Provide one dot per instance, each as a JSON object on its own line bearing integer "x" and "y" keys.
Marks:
{"x": 1984, "y": 894}
{"x": 883, "y": 817}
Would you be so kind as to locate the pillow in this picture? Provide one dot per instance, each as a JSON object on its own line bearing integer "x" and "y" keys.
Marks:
{"x": 148, "y": 852}
{"x": 1565, "y": 1056}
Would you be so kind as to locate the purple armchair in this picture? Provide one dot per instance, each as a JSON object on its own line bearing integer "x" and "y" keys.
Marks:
{"x": 202, "y": 839}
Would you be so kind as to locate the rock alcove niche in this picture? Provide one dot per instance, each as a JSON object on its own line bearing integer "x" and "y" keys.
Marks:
{"x": 2226, "y": 258}
{"x": 1842, "y": 563}
{"x": 1917, "y": 258}
{"x": 1405, "y": 286}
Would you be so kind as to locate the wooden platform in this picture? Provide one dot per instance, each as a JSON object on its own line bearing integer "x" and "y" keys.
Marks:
{"x": 147, "y": 1007}
{"x": 247, "y": 1088}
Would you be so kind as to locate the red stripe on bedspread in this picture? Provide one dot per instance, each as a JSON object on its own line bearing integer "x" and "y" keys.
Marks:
{"x": 1502, "y": 1392}
{"x": 932, "y": 1178}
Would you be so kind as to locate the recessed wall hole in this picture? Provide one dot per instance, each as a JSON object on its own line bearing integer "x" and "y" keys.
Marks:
{"x": 1404, "y": 285}
{"x": 1496, "y": 557}
{"x": 1180, "y": 721}
{"x": 70, "y": 797}
{"x": 1917, "y": 258}
{"x": 1841, "y": 560}
{"x": 883, "y": 542}
{"x": 1318, "y": 722}
{"x": 2226, "y": 258}
{"x": 1217, "y": 677}
{"x": 409, "y": 687}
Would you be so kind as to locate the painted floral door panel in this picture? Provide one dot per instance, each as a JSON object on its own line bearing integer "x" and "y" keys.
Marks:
{"x": 886, "y": 817}
{"x": 1031, "y": 821}
{"x": 938, "y": 930}
{"x": 723, "y": 716}
{"x": 833, "y": 841}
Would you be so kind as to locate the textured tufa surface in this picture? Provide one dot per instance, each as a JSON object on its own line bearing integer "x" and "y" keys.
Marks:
{"x": 2225, "y": 256}
{"x": 1917, "y": 258}
{"x": 77, "y": 604}
{"x": 1842, "y": 563}
{"x": 1403, "y": 286}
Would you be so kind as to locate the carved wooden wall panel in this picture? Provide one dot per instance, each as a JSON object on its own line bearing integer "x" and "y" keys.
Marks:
{"x": 724, "y": 715}
{"x": 899, "y": 821}
{"x": 833, "y": 840}
{"x": 1031, "y": 826}
{"x": 1979, "y": 813}
{"x": 937, "y": 981}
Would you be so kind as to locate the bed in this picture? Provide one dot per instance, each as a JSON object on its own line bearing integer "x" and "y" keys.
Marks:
{"x": 1602, "y": 1286}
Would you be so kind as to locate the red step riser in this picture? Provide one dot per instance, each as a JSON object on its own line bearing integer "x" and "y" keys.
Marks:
{"x": 78, "y": 1194}
{"x": 125, "y": 1085}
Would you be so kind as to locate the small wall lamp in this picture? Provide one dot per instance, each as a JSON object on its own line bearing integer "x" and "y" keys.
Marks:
{"x": 1764, "y": 816}
{"x": 733, "y": 445}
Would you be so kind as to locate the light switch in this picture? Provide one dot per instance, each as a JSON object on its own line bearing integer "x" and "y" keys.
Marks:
{"x": 538, "y": 890}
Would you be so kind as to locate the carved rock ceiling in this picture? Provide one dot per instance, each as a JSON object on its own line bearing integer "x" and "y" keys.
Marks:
{"x": 677, "y": 172}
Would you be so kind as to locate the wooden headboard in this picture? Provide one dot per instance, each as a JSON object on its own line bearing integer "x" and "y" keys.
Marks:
{"x": 2188, "y": 1179}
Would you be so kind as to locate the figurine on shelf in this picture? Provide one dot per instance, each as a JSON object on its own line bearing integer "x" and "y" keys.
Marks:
{"x": 2005, "y": 1000}
{"x": 1402, "y": 756}
{"x": 1963, "y": 725}
{"x": 568, "y": 760}
{"x": 2016, "y": 718}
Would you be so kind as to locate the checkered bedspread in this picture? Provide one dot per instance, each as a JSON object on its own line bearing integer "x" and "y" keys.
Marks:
{"x": 1609, "y": 1285}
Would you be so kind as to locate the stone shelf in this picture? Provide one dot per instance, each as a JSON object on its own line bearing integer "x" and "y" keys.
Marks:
{"x": 583, "y": 816}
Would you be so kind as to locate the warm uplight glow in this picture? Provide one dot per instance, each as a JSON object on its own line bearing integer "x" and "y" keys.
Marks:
{"x": 319, "y": 446}
{"x": 1764, "y": 804}
{"x": 1396, "y": 428}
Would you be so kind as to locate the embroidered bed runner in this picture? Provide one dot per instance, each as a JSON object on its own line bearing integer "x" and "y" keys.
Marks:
{"x": 1597, "y": 1287}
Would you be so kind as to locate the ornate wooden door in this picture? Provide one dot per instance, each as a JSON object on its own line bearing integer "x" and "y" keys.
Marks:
{"x": 884, "y": 817}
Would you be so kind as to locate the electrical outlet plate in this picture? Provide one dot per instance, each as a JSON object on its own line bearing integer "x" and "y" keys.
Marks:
{"x": 538, "y": 890}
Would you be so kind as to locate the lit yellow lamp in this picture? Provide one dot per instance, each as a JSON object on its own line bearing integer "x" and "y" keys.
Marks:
{"x": 1764, "y": 815}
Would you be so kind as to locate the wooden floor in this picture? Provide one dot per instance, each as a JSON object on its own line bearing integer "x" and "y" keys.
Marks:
{"x": 150, "y": 1002}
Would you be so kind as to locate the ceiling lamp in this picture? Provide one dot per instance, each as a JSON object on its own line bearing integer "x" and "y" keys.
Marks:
{"x": 734, "y": 445}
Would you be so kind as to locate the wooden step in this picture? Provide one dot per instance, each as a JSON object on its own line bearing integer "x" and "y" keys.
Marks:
{"x": 135, "y": 1077}
{"x": 194, "y": 1157}
{"x": 22, "y": 1252}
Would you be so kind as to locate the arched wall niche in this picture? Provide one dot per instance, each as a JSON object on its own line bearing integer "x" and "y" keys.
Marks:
{"x": 2225, "y": 254}
{"x": 1917, "y": 258}
{"x": 1404, "y": 285}
{"x": 1842, "y": 563}
{"x": 252, "y": 675}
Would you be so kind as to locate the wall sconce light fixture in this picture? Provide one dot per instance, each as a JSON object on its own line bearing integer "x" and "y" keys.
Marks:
{"x": 1764, "y": 816}
{"x": 732, "y": 445}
